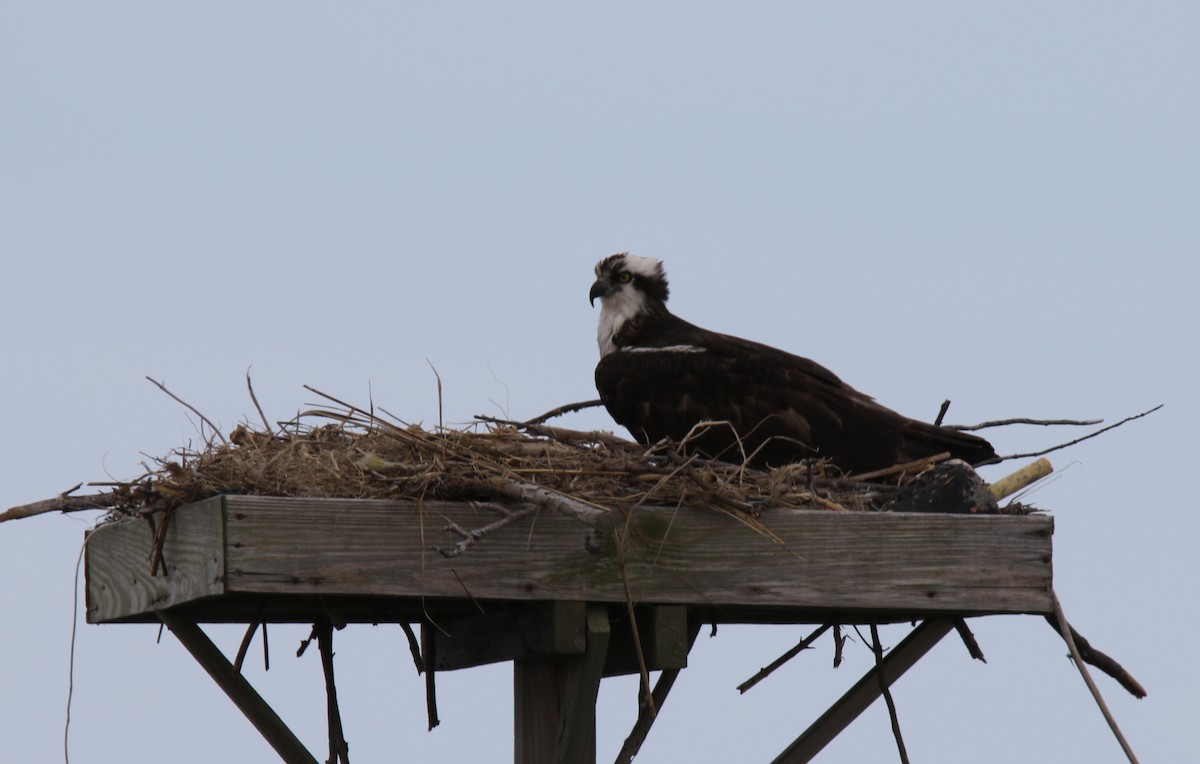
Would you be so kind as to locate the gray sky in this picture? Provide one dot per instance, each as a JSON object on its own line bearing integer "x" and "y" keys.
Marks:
{"x": 936, "y": 200}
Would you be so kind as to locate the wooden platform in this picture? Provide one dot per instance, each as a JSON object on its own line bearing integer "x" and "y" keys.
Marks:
{"x": 239, "y": 558}
{"x": 549, "y": 591}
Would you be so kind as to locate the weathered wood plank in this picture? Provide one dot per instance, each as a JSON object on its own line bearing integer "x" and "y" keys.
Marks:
{"x": 850, "y": 562}
{"x": 118, "y": 564}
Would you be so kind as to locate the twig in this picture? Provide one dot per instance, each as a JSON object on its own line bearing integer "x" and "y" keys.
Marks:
{"x": 622, "y": 536}
{"x": 914, "y": 466}
{"x": 429, "y": 651}
{"x": 964, "y": 632}
{"x": 71, "y": 659}
{"x": 438, "y": 377}
{"x": 189, "y": 407}
{"x": 338, "y": 748}
{"x": 470, "y": 537}
{"x": 254, "y": 399}
{"x": 647, "y": 714}
{"x": 1085, "y": 437}
{"x": 1021, "y": 420}
{"x": 567, "y": 409}
{"x": 266, "y": 649}
{"x": 1065, "y": 630}
{"x": 562, "y": 434}
{"x": 877, "y": 648}
{"x": 242, "y": 648}
{"x": 306, "y": 642}
{"x": 839, "y": 641}
{"x": 414, "y": 646}
{"x": 1102, "y": 661}
{"x": 763, "y": 673}
{"x": 937, "y": 422}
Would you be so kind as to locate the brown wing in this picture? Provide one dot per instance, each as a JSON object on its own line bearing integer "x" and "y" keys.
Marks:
{"x": 783, "y": 408}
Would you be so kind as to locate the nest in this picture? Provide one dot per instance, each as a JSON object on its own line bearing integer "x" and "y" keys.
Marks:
{"x": 351, "y": 453}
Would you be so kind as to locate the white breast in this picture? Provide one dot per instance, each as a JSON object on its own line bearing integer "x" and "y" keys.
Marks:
{"x": 615, "y": 310}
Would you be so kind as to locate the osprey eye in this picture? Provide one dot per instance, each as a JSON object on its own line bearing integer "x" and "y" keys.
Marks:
{"x": 624, "y": 277}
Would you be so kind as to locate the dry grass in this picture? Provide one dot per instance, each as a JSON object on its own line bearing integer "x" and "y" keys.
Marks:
{"x": 345, "y": 452}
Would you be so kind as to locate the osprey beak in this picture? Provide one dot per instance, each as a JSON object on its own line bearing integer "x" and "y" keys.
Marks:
{"x": 600, "y": 288}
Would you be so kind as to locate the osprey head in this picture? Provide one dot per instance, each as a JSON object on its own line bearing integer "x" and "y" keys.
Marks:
{"x": 627, "y": 286}
{"x": 629, "y": 277}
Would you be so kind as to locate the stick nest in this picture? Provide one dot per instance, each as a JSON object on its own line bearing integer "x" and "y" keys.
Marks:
{"x": 350, "y": 453}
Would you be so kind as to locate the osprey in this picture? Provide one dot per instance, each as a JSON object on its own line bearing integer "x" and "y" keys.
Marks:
{"x": 659, "y": 376}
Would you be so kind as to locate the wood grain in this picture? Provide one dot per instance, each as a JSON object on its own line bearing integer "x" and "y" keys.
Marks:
{"x": 872, "y": 563}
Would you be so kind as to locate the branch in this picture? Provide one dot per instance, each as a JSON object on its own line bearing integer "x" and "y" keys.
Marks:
{"x": 589, "y": 514}
{"x": 190, "y": 408}
{"x": 429, "y": 658}
{"x": 960, "y": 625}
{"x": 1085, "y": 437}
{"x": 1021, "y": 420}
{"x": 414, "y": 646}
{"x": 763, "y": 673}
{"x": 562, "y": 434}
{"x": 338, "y": 748}
{"x": 1101, "y": 661}
{"x": 567, "y": 409}
{"x": 60, "y": 503}
{"x": 470, "y": 537}
{"x": 1065, "y": 630}
{"x": 877, "y": 648}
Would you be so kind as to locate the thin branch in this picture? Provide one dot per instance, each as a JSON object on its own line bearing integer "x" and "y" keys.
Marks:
{"x": 763, "y": 673}
{"x": 266, "y": 649}
{"x": 1021, "y": 420}
{"x": 647, "y": 714}
{"x": 339, "y": 750}
{"x": 1102, "y": 661}
{"x": 937, "y": 422}
{"x": 647, "y": 695}
{"x": 839, "y": 641}
{"x": 470, "y": 537}
{"x": 414, "y": 646}
{"x": 1065, "y": 630}
{"x": 254, "y": 399}
{"x": 190, "y": 408}
{"x": 1085, "y": 437}
{"x": 244, "y": 646}
{"x": 960, "y": 625}
{"x": 877, "y": 648}
{"x": 567, "y": 409}
{"x": 429, "y": 651}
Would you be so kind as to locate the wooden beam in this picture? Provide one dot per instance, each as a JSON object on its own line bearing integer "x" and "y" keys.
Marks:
{"x": 244, "y": 696}
{"x": 865, "y": 692}
{"x": 522, "y": 631}
{"x": 555, "y": 700}
{"x": 577, "y": 728}
{"x": 663, "y": 630}
{"x": 865, "y": 566}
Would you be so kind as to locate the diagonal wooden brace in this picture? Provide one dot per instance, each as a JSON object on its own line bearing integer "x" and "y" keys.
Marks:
{"x": 865, "y": 692}
{"x": 260, "y": 714}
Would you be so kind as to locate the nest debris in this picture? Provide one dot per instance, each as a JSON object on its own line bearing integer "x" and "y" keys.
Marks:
{"x": 345, "y": 452}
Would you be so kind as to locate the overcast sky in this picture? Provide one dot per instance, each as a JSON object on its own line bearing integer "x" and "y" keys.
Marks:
{"x": 996, "y": 205}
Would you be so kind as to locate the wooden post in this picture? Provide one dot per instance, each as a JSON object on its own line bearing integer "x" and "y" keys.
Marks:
{"x": 865, "y": 692}
{"x": 244, "y": 696}
{"x": 555, "y": 700}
